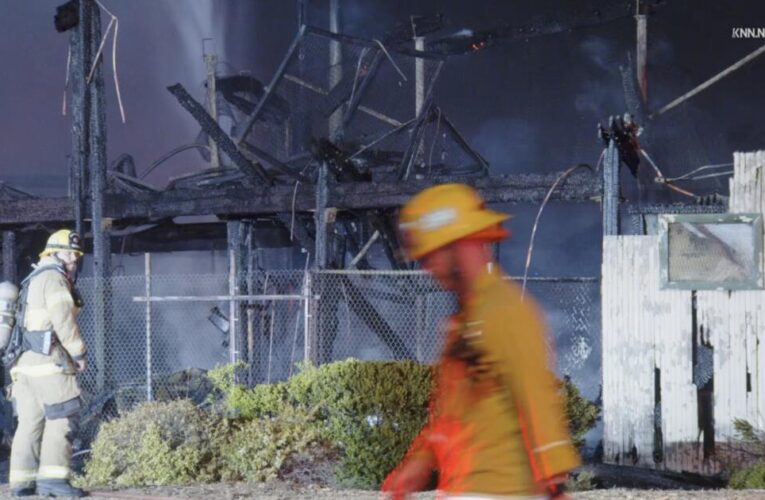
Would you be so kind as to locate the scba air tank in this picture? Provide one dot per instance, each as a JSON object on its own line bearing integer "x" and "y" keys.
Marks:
{"x": 9, "y": 294}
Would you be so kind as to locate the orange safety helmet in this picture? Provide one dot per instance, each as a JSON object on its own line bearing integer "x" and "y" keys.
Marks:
{"x": 446, "y": 213}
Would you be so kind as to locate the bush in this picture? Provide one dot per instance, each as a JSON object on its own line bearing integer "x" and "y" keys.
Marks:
{"x": 264, "y": 447}
{"x": 354, "y": 418}
{"x": 177, "y": 443}
{"x": 749, "y": 472}
{"x": 157, "y": 443}
{"x": 748, "y": 477}
{"x": 371, "y": 410}
{"x": 582, "y": 413}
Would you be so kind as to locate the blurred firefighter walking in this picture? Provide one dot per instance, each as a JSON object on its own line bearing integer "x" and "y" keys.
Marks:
{"x": 496, "y": 426}
{"x": 48, "y": 353}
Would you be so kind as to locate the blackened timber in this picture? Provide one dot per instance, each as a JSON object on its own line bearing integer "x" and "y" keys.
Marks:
{"x": 273, "y": 161}
{"x": 80, "y": 50}
{"x": 100, "y": 224}
{"x": 519, "y": 188}
{"x": 211, "y": 127}
{"x": 522, "y": 188}
{"x": 322, "y": 191}
{"x": 30, "y": 211}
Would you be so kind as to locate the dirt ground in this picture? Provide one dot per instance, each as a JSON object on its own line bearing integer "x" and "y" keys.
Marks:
{"x": 277, "y": 490}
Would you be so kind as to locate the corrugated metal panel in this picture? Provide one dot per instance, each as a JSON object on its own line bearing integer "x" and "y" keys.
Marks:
{"x": 629, "y": 358}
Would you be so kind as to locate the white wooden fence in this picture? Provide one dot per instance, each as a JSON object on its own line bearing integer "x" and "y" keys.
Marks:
{"x": 650, "y": 403}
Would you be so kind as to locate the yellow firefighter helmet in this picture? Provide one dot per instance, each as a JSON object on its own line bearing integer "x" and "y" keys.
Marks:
{"x": 63, "y": 240}
{"x": 446, "y": 213}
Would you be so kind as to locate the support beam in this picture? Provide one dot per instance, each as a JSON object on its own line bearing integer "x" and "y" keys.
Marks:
{"x": 322, "y": 189}
{"x": 100, "y": 224}
{"x": 217, "y": 134}
{"x": 80, "y": 52}
{"x": 520, "y": 188}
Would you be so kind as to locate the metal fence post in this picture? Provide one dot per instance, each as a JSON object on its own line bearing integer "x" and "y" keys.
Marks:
{"x": 419, "y": 323}
{"x": 306, "y": 316}
{"x": 147, "y": 273}
{"x": 232, "y": 312}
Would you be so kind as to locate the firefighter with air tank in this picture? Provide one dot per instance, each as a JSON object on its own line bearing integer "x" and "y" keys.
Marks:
{"x": 45, "y": 352}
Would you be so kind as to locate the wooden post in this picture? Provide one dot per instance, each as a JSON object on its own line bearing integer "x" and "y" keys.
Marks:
{"x": 320, "y": 217}
{"x": 100, "y": 225}
{"x": 80, "y": 51}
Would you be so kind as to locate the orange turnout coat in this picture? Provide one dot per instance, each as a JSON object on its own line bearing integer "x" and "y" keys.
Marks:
{"x": 496, "y": 423}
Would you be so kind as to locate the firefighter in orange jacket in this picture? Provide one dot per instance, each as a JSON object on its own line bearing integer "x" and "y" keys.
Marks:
{"x": 496, "y": 427}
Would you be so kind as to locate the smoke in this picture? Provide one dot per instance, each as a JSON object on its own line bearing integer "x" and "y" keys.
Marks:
{"x": 599, "y": 52}
{"x": 600, "y": 91}
{"x": 508, "y": 144}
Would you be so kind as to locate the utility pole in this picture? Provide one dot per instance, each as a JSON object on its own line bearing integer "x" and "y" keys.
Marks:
{"x": 335, "y": 70}
{"x": 211, "y": 60}
{"x": 419, "y": 90}
{"x": 642, "y": 49}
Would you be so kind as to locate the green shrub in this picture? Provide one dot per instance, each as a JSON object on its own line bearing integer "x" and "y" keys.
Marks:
{"x": 748, "y": 477}
{"x": 582, "y": 413}
{"x": 746, "y": 458}
{"x": 263, "y": 447}
{"x": 371, "y": 410}
{"x": 157, "y": 443}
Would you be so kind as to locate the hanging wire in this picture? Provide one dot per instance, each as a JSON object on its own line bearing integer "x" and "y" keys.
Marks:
{"x": 113, "y": 23}
{"x": 170, "y": 154}
{"x": 690, "y": 176}
{"x": 66, "y": 79}
{"x": 660, "y": 179}
{"x": 294, "y": 198}
{"x": 560, "y": 178}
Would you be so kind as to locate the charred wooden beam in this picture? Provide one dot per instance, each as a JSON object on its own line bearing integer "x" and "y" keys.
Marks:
{"x": 42, "y": 210}
{"x": 520, "y": 188}
{"x": 273, "y": 161}
{"x": 100, "y": 224}
{"x": 210, "y": 126}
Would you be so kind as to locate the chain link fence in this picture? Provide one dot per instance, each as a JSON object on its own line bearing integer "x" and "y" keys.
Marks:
{"x": 161, "y": 348}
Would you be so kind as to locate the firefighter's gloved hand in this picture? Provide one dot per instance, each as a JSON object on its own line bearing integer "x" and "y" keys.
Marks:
{"x": 409, "y": 477}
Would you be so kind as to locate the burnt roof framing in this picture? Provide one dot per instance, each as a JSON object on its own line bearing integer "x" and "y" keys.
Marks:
{"x": 236, "y": 202}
